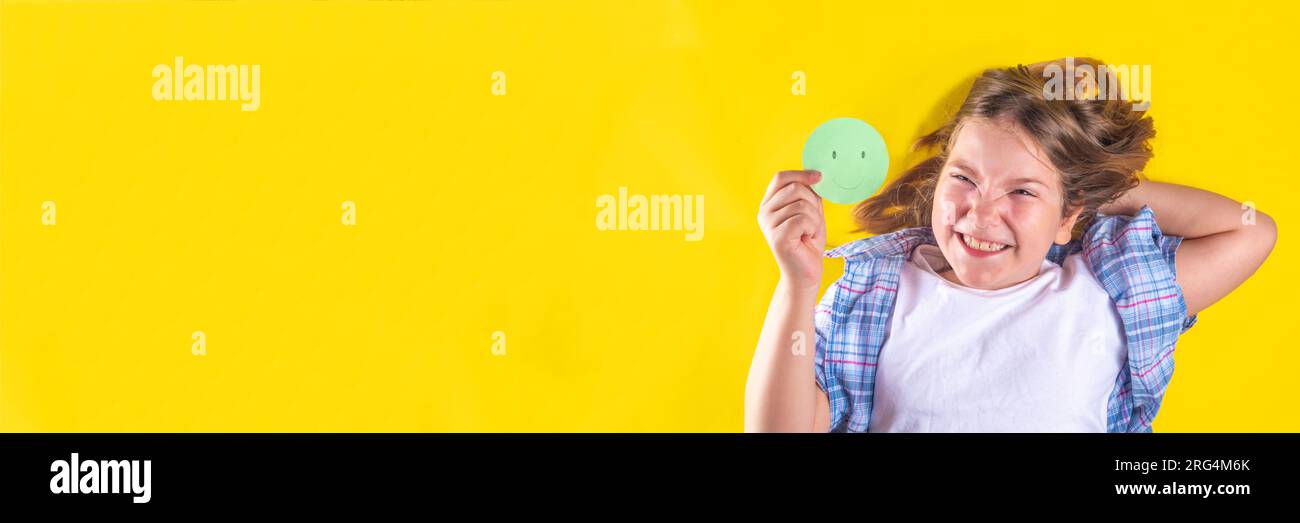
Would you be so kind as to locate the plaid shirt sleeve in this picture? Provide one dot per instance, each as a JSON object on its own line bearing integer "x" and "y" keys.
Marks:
{"x": 826, "y": 381}
{"x": 1168, "y": 245}
{"x": 852, "y": 322}
{"x": 1134, "y": 261}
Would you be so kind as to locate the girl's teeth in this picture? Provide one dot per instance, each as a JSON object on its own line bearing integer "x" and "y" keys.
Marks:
{"x": 981, "y": 245}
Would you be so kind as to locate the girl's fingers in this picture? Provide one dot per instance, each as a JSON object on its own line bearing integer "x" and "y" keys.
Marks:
{"x": 792, "y": 193}
{"x": 792, "y": 209}
{"x": 785, "y": 178}
{"x": 797, "y": 227}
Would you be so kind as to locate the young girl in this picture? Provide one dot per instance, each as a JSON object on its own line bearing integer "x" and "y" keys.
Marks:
{"x": 1022, "y": 279}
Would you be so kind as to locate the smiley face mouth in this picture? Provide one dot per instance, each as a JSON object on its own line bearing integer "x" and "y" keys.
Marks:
{"x": 855, "y": 182}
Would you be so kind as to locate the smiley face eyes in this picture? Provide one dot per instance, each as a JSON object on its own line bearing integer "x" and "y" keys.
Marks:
{"x": 864, "y": 155}
{"x": 832, "y": 155}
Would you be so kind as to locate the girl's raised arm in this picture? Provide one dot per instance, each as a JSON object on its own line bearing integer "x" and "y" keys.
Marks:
{"x": 781, "y": 394}
{"x": 1224, "y": 242}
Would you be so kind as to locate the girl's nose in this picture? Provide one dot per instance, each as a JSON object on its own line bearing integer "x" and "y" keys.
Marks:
{"x": 984, "y": 212}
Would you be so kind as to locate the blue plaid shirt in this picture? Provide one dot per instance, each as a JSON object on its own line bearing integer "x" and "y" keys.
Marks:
{"x": 1129, "y": 256}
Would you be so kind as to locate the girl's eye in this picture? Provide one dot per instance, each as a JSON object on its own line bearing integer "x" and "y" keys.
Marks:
{"x": 1023, "y": 192}
{"x": 963, "y": 178}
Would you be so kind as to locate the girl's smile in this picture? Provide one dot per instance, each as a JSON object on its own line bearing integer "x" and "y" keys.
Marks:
{"x": 980, "y": 248}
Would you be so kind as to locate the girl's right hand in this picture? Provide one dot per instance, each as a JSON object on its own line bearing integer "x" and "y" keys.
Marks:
{"x": 792, "y": 221}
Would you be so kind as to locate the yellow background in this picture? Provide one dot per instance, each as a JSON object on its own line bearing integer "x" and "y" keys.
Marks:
{"x": 476, "y": 212}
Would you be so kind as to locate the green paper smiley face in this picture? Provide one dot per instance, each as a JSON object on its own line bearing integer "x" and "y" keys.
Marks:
{"x": 851, "y": 156}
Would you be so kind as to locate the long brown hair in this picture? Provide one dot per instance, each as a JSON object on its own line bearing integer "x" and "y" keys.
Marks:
{"x": 1099, "y": 145}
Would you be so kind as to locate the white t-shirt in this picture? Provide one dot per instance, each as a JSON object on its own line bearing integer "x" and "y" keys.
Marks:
{"x": 1040, "y": 356}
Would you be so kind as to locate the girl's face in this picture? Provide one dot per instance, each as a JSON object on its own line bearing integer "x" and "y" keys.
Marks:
{"x": 997, "y": 206}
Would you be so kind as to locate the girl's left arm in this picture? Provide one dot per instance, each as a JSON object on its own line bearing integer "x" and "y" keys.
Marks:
{"x": 1221, "y": 248}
